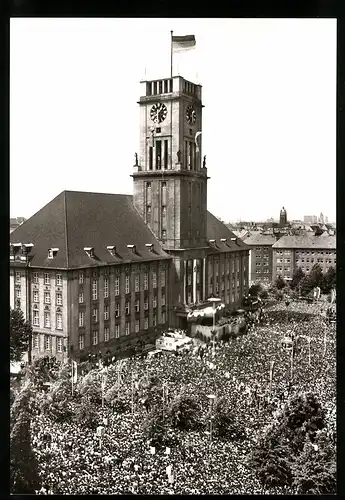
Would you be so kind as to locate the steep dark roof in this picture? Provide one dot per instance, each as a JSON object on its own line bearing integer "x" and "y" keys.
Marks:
{"x": 74, "y": 220}
{"x": 216, "y": 230}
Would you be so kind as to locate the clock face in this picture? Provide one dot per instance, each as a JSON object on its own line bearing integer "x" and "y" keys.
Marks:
{"x": 191, "y": 114}
{"x": 158, "y": 112}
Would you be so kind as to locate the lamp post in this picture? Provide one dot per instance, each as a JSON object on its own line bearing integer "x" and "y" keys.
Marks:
{"x": 214, "y": 300}
{"x": 271, "y": 376}
{"x": 308, "y": 338}
{"x": 211, "y": 398}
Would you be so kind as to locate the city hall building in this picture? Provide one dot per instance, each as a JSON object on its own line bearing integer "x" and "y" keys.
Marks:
{"x": 95, "y": 271}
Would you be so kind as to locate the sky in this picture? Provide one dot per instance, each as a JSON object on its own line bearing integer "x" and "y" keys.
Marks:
{"x": 269, "y": 121}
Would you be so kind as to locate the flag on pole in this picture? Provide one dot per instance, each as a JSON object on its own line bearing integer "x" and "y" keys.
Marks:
{"x": 182, "y": 48}
{"x": 74, "y": 372}
{"x": 182, "y": 43}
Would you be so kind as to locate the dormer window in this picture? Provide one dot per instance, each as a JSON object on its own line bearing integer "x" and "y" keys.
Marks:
{"x": 213, "y": 242}
{"x": 223, "y": 240}
{"x": 132, "y": 248}
{"x": 234, "y": 239}
{"x": 112, "y": 250}
{"x": 52, "y": 253}
{"x": 90, "y": 251}
{"x": 149, "y": 246}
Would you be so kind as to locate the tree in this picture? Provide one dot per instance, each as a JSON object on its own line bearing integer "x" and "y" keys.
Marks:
{"x": 183, "y": 412}
{"x": 155, "y": 429}
{"x": 329, "y": 280}
{"x": 224, "y": 422}
{"x": 280, "y": 283}
{"x": 306, "y": 285}
{"x": 302, "y": 417}
{"x": 316, "y": 275}
{"x": 298, "y": 275}
{"x": 20, "y": 335}
{"x": 283, "y": 441}
{"x": 315, "y": 468}
{"x": 24, "y": 478}
{"x": 255, "y": 289}
{"x": 86, "y": 414}
{"x": 263, "y": 294}
{"x": 271, "y": 463}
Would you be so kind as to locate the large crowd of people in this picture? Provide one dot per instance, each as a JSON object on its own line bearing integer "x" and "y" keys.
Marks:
{"x": 254, "y": 372}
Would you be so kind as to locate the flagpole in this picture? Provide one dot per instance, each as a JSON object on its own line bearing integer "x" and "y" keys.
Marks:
{"x": 72, "y": 366}
{"x": 171, "y": 54}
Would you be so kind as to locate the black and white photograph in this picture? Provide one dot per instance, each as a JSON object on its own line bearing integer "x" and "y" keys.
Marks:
{"x": 173, "y": 298}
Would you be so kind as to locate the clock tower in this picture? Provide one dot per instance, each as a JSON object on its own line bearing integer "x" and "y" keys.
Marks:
{"x": 170, "y": 179}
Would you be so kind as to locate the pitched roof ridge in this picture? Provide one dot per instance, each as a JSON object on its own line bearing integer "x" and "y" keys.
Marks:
{"x": 96, "y": 192}
{"x": 66, "y": 227}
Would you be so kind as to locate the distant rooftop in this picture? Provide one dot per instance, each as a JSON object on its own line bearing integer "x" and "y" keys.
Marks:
{"x": 323, "y": 241}
{"x": 261, "y": 239}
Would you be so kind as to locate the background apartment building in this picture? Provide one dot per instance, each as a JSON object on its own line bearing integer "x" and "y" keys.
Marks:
{"x": 260, "y": 257}
{"x": 290, "y": 252}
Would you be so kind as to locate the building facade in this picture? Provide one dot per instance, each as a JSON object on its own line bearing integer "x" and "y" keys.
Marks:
{"x": 95, "y": 271}
{"x": 261, "y": 258}
{"x": 290, "y": 252}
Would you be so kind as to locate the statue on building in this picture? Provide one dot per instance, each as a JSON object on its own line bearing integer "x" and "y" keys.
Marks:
{"x": 136, "y": 159}
{"x": 178, "y": 154}
{"x": 204, "y": 162}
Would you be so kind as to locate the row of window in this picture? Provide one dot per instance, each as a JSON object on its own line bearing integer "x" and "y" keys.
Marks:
{"x": 216, "y": 265}
{"x": 264, "y": 264}
{"x": 117, "y": 309}
{"x": 127, "y": 285}
{"x": 261, "y": 248}
{"x": 320, "y": 261}
{"x": 314, "y": 252}
{"x": 47, "y": 297}
{"x": 95, "y": 333}
{"x": 265, "y": 270}
{"x": 46, "y": 278}
{"x": 48, "y": 339}
{"x": 47, "y": 319}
